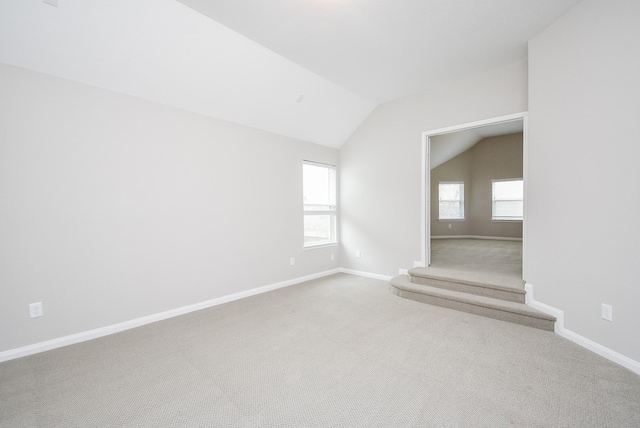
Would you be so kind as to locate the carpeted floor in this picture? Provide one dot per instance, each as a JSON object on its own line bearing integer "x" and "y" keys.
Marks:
{"x": 480, "y": 260}
{"x": 340, "y": 351}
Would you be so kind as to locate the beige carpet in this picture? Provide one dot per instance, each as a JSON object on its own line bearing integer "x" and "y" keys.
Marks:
{"x": 341, "y": 351}
{"x": 479, "y": 260}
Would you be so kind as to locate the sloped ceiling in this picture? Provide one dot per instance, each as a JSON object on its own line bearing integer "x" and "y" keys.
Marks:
{"x": 386, "y": 49}
{"x": 447, "y": 146}
{"x": 307, "y": 69}
{"x": 163, "y": 51}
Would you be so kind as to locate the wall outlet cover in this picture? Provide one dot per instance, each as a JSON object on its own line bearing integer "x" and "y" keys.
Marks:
{"x": 35, "y": 310}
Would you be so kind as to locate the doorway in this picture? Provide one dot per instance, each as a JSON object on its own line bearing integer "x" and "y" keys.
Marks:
{"x": 440, "y": 145}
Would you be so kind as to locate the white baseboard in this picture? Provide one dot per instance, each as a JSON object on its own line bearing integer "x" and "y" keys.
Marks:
{"x": 493, "y": 238}
{"x": 589, "y": 344}
{"x": 366, "y": 274}
{"x": 138, "y": 322}
{"x": 116, "y": 328}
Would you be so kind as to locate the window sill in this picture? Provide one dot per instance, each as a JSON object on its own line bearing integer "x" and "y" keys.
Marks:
{"x": 505, "y": 220}
{"x": 321, "y": 245}
{"x": 451, "y": 219}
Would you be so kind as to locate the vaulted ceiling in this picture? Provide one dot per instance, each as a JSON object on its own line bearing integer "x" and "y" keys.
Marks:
{"x": 449, "y": 145}
{"x": 385, "y": 49}
{"x": 307, "y": 69}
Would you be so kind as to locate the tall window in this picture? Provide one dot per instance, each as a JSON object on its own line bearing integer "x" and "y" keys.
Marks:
{"x": 319, "y": 195}
{"x": 451, "y": 200}
{"x": 508, "y": 196}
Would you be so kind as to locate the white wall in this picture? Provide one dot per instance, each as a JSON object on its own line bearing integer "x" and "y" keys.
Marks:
{"x": 380, "y": 165}
{"x": 584, "y": 150}
{"x": 113, "y": 208}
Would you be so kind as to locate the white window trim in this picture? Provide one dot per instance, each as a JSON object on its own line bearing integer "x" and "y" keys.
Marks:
{"x": 313, "y": 246}
{"x": 505, "y": 219}
{"x": 332, "y": 211}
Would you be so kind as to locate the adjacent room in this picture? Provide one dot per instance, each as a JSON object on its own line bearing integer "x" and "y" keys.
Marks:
{"x": 319, "y": 213}
{"x": 477, "y": 200}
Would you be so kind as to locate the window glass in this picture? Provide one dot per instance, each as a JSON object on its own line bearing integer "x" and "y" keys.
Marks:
{"x": 451, "y": 200}
{"x": 507, "y": 199}
{"x": 319, "y": 199}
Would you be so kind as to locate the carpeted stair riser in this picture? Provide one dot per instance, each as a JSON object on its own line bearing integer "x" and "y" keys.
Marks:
{"x": 509, "y": 295}
{"x": 513, "y": 312}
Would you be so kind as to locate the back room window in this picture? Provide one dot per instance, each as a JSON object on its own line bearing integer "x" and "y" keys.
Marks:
{"x": 507, "y": 199}
{"x": 451, "y": 200}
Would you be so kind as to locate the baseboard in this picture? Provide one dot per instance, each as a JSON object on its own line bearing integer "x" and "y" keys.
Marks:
{"x": 366, "y": 274}
{"x": 138, "y": 322}
{"x": 493, "y": 238}
{"x": 589, "y": 344}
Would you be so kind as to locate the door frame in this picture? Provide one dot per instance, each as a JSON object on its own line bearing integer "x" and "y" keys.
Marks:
{"x": 426, "y": 179}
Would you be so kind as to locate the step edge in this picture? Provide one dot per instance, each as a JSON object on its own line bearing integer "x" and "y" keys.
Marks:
{"x": 481, "y": 311}
{"x": 468, "y": 282}
{"x": 406, "y": 285}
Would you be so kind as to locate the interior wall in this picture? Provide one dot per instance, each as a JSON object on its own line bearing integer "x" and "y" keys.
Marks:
{"x": 381, "y": 165}
{"x": 583, "y": 171}
{"x": 456, "y": 169}
{"x": 114, "y": 208}
{"x": 491, "y": 158}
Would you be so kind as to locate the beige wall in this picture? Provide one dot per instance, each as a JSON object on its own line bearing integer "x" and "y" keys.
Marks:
{"x": 490, "y": 159}
{"x": 493, "y": 159}
{"x": 456, "y": 169}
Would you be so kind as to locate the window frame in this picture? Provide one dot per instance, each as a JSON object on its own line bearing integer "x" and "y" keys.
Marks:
{"x": 331, "y": 209}
{"x": 493, "y": 201}
{"x": 461, "y": 201}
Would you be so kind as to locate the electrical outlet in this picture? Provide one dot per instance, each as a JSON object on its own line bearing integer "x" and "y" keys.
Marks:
{"x": 358, "y": 254}
{"x": 607, "y": 312}
{"x": 292, "y": 261}
{"x": 333, "y": 256}
{"x": 35, "y": 310}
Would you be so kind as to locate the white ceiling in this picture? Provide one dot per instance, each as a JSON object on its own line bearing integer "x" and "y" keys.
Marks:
{"x": 386, "y": 49}
{"x": 249, "y": 61}
{"x": 163, "y": 51}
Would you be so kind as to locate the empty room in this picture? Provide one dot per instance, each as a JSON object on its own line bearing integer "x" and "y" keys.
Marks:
{"x": 319, "y": 213}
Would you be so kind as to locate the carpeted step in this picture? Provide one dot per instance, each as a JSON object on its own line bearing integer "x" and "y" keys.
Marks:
{"x": 511, "y": 294}
{"x": 517, "y": 313}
